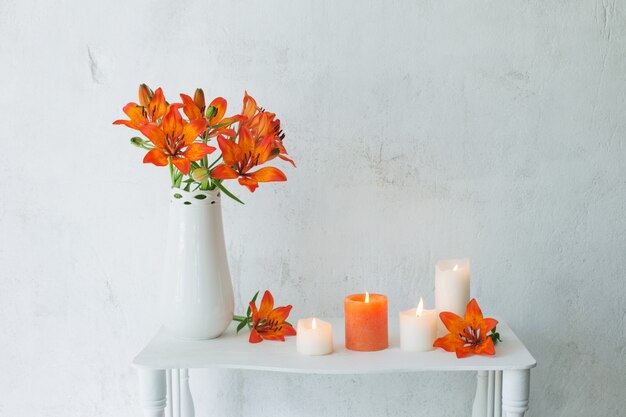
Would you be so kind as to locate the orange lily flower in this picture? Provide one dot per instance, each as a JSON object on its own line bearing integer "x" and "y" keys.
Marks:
{"x": 151, "y": 108}
{"x": 244, "y": 156}
{"x": 174, "y": 141}
{"x": 468, "y": 335}
{"x": 268, "y": 323}
{"x": 262, "y": 124}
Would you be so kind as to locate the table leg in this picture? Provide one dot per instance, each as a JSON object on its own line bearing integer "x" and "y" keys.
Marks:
{"x": 180, "y": 402}
{"x": 488, "y": 400}
{"x": 497, "y": 395}
{"x": 480, "y": 400}
{"x": 152, "y": 391}
{"x": 186, "y": 401}
{"x": 515, "y": 391}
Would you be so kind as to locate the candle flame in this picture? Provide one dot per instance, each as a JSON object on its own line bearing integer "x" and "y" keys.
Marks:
{"x": 456, "y": 267}
{"x": 367, "y": 297}
{"x": 313, "y": 324}
{"x": 420, "y": 308}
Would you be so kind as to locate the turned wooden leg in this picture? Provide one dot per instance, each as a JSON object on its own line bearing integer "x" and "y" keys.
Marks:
{"x": 180, "y": 402}
{"x": 152, "y": 391}
{"x": 497, "y": 395}
{"x": 186, "y": 401}
{"x": 515, "y": 390}
{"x": 480, "y": 400}
{"x": 488, "y": 400}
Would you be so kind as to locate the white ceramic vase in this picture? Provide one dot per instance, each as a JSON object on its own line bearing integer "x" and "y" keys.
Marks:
{"x": 197, "y": 296}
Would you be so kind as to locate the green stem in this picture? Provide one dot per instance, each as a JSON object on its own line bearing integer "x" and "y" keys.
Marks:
{"x": 214, "y": 162}
{"x": 172, "y": 173}
{"x": 239, "y": 318}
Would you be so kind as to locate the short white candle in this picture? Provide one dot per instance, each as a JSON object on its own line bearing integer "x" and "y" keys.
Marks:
{"x": 418, "y": 329}
{"x": 452, "y": 287}
{"x": 315, "y": 337}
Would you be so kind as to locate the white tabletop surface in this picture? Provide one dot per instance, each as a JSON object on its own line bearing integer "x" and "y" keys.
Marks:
{"x": 233, "y": 351}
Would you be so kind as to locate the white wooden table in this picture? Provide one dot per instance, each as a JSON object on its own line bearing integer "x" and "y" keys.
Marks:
{"x": 502, "y": 380}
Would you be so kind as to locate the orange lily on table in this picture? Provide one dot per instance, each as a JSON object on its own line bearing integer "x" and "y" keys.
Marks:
{"x": 268, "y": 323}
{"x": 469, "y": 334}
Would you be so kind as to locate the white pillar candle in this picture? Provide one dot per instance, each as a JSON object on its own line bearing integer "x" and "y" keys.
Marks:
{"x": 418, "y": 329}
{"x": 452, "y": 287}
{"x": 314, "y": 337}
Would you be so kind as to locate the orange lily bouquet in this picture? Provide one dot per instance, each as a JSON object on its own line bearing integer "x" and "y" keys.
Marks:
{"x": 246, "y": 140}
{"x": 470, "y": 334}
{"x": 266, "y": 322}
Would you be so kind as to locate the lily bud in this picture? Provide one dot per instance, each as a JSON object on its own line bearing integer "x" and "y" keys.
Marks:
{"x": 144, "y": 95}
{"x": 198, "y": 99}
{"x": 200, "y": 174}
{"x": 210, "y": 112}
{"x": 137, "y": 141}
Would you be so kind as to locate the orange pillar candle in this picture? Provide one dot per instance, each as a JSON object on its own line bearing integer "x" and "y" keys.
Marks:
{"x": 366, "y": 322}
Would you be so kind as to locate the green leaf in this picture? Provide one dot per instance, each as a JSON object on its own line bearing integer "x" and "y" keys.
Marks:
{"x": 253, "y": 301}
{"x": 228, "y": 193}
{"x": 242, "y": 325}
{"x": 222, "y": 125}
{"x": 495, "y": 336}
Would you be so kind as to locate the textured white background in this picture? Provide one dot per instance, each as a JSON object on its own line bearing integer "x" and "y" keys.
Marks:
{"x": 422, "y": 130}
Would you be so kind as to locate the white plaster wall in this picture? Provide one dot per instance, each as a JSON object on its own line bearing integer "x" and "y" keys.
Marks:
{"x": 422, "y": 129}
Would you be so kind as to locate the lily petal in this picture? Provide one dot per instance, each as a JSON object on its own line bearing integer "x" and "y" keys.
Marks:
{"x": 271, "y": 334}
{"x": 220, "y": 105}
{"x": 449, "y": 343}
{"x": 279, "y": 314}
{"x": 156, "y": 157}
{"x": 157, "y": 106}
{"x": 255, "y": 314}
{"x": 230, "y": 150}
{"x": 182, "y": 164}
{"x": 246, "y": 141}
{"x": 190, "y": 108}
{"x": 255, "y": 337}
{"x": 249, "y": 106}
{"x": 224, "y": 172}
{"x": 197, "y": 151}
{"x": 488, "y": 325}
{"x": 267, "y": 304}
{"x": 153, "y": 132}
{"x": 251, "y": 183}
{"x": 289, "y": 330}
{"x": 453, "y": 323}
{"x": 486, "y": 348}
{"x": 268, "y": 174}
{"x": 192, "y": 130}
{"x": 473, "y": 314}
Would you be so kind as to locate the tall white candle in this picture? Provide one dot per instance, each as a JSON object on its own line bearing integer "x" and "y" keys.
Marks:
{"x": 418, "y": 329}
{"x": 314, "y": 337}
{"x": 452, "y": 287}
